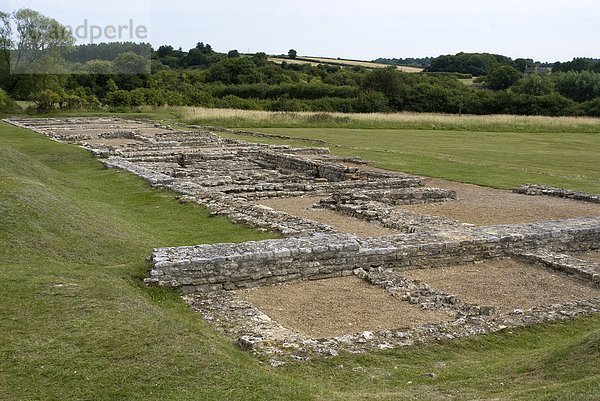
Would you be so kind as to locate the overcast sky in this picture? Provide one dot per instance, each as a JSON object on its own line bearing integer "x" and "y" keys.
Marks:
{"x": 548, "y": 30}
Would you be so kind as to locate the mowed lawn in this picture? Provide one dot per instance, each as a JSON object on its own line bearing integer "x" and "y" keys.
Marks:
{"x": 496, "y": 159}
{"x": 76, "y": 323}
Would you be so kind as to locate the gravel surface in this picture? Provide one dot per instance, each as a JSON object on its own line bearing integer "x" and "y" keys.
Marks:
{"x": 505, "y": 284}
{"x": 591, "y": 256}
{"x": 336, "y": 307}
{"x": 302, "y": 207}
{"x": 487, "y": 206}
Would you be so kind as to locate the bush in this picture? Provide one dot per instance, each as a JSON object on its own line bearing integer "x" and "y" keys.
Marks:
{"x": 119, "y": 98}
{"x": 371, "y": 102}
{"x": 47, "y": 100}
{"x": 3, "y": 99}
{"x": 579, "y": 86}
{"x": 591, "y": 108}
{"x": 535, "y": 84}
{"x": 503, "y": 77}
{"x": 234, "y": 102}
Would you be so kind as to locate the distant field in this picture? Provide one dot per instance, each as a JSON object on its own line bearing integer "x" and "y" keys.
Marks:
{"x": 500, "y": 160}
{"x": 429, "y": 121}
{"x": 343, "y": 62}
{"x": 280, "y": 60}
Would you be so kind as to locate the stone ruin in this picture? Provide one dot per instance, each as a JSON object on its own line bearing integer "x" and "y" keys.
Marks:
{"x": 238, "y": 179}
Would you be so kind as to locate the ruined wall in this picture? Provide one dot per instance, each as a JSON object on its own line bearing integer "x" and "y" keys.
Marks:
{"x": 330, "y": 171}
{"x": 531, "y": 189}
{"x": 395, "y": 197}
{"x": 229, "y": 266}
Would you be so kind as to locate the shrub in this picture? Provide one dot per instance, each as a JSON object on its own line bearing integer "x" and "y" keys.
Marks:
{"x": 503, "y": 77}
{"x": 3, "y": 99}
{"x": 371, "y": 102}
{"x": 535, "y": 84}
{"x": 579, "y": 86}
{"x": 47, "y": 100}
{"x": 118, "y": 98}
{"x": 591, "y": 108}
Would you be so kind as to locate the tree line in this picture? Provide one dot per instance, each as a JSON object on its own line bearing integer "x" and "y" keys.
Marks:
{"x": 125, "y": 75}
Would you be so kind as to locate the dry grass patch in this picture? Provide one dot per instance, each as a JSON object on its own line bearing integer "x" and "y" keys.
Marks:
{"x": 401, "y": 120}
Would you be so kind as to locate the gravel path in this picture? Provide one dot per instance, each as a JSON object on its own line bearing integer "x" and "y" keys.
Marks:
{"x": 487, "y": 206}
{"x": 591, "y": 256}
{"x": 339, "y": 306}
{"x": 505, "y": 284}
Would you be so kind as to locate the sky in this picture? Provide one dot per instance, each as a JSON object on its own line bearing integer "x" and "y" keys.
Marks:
{"x": 551, "y": 30}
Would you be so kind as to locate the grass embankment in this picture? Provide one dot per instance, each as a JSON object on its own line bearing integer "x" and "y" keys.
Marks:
{"x": 75, "y": 323}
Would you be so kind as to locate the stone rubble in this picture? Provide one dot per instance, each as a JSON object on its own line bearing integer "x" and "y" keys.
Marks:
{"x": 533, "y": 190}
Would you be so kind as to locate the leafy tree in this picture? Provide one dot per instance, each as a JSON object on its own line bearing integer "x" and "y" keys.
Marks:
{"x": 110, "y": 51}
{"x": 233, "y": 54}
{"x": 165, "y": 51}
{"x": 234, "y": 71}
{"x": 260, "y": 59}
{"x": 35, "y": 36}
{"x": 392, "y": 83}
{"x": 100, "y": 67}
{"x": 371, "y": 102}
{"x": 522, "y": 63}
{"x": 292, "y": 54}
{"x": 204, "y": 48}
{"x": 591, "y": 108}
{"x": 535, "y": 84}
{"x": 578, "y": 64}
{"x": 579, "y": 86}
{"x": 503, "y": 77}
{"x": 118, "y": 98}
{"x": 6, "y": 42}
{"x": 47, "y": 100}
{"x": 131, "y": 63}
{"x": 3, "y": 99}
{"x": 476, "y": 64}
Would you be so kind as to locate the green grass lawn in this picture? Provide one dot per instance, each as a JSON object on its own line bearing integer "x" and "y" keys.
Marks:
{"x": 77, "y": 324}
{"x": 496, "y": 159}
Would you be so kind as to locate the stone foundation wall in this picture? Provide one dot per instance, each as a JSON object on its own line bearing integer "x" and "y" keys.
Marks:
{"x": 531, "y": 189}
{"x": 391, "y": 217}
{"x": 404, "y": 196}
{"x": 565, "y": 263}
{"x": 326, "y": 170}
{"x": 209, "y": 268}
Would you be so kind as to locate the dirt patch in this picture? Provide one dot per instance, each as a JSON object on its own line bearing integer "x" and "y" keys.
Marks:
{"x": 339, "y": 306}
{"x": 302, "y": 207}
{"x": 487, "y": 206}
{"x": 591, "y": 256}
{"x": 506, "y": 284}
